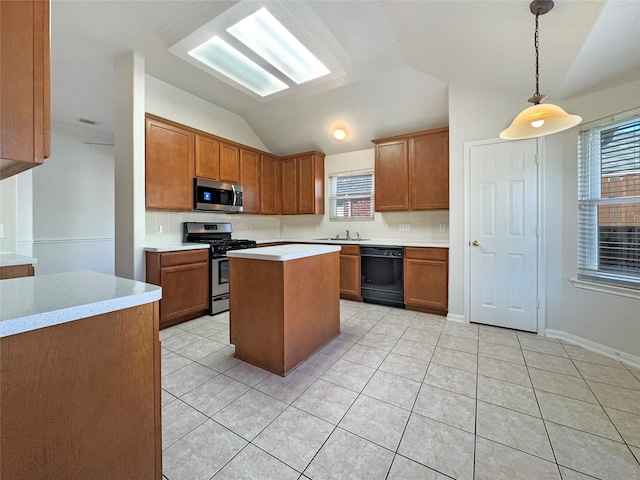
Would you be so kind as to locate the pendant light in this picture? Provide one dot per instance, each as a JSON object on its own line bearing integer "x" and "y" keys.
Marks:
{"x": 542, "y": 118}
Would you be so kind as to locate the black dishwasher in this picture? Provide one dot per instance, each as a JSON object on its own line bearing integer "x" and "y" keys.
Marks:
{"x": 382, "y": 275}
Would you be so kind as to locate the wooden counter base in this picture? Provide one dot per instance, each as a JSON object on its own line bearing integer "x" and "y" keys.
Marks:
{"x": 81, "y": 400}
{"x": 282, "y": 312}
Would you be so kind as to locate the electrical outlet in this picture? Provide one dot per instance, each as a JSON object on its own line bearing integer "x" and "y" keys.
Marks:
{"x": 443, "y": 227}
{"x": 284, "y": 227}
{"x": 1, "y": 230}
{"x": 248, "y": 227}
{"x": 158, "y": 229}
{"x": 316, "y": 227}
{"x": 405, "y": 227}
{"x": 385, "y": 227}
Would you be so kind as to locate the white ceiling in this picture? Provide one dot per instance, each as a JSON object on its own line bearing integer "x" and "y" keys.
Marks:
{"x": 399, "y": 59}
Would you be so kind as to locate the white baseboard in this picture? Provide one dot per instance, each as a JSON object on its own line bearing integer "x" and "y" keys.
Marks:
{"x": 454, "y": 317}
{"x": 595, "y": 347}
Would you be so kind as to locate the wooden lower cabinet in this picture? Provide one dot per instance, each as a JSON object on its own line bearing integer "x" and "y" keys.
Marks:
{"x": 426, "y": 272}
{"x": 16, "y": 271}
{"x": 350, "y": 273}
{"x": 184, "y": 278}
{"x": 82, "y": 399}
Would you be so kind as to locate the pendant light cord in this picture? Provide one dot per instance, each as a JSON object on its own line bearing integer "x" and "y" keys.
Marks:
{"x": 536, "y": 43}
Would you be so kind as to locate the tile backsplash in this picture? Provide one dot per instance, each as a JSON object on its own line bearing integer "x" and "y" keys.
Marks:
{"x": 166, "y": 227}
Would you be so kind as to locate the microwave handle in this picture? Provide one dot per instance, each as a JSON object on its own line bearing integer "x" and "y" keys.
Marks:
{"x": 235, "y": 194}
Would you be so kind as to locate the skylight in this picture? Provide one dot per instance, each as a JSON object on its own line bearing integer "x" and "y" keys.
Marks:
{"x": 219, "y": 55}
{"x": 267, "y": 37}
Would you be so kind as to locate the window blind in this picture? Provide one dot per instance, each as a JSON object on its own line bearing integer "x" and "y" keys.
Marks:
{"x": 351, "y": 196}
{"x": 609, "y": 202}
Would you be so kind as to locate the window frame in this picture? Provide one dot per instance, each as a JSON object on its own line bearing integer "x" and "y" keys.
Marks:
{"x": 590, "y": 179}
{"x": 333, "y": 199}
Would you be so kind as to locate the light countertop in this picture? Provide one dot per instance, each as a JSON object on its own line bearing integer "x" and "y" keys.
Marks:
{"x": 283, "y": 253}
{"x": 30, "y": 303}
{"x": 386, "y": 242}
{"x": 176, "y": 246}
{"x": 13, "y": 259}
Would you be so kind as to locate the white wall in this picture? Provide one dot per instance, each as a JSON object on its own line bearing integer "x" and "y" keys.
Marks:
{"x": 8, "y": 213}
{"x": 73, "y": 204}
{"x": 474, "y": 114}
{"x": 602, "y": 318}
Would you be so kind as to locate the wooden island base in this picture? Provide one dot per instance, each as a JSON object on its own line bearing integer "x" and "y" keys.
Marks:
{"x": 281, "y": 312}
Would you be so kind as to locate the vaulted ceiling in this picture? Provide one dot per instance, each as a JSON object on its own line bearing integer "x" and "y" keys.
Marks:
{"x": 398, "y": 58}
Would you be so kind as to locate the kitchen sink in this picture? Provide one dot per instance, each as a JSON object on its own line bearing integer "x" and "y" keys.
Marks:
{"x": 343, "y": 239}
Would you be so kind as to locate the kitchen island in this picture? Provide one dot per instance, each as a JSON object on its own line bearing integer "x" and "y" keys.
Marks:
{"x": 284, "y": 303}
{"x": 79, "y": 377}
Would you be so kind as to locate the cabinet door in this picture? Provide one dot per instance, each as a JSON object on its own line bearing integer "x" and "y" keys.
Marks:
{"x": 269, "y": 185}
{"x": 306, "y": 184}
{"x": 168, "y": 167}
{"x": 429, "y": 171}
{"x": 229, "y": 163}
{"x": 25, "y": 105}
{"x": 185, "y": 291}
{"x": 250, "y": 180}
{"x": 350, "y": 277}
{"x": 425, "y": 285}
{"x": 310, "y": 183}
{"x": 391, "y": 176}
{"x": 289, "y": 186}
{"x": 207, "y": 157}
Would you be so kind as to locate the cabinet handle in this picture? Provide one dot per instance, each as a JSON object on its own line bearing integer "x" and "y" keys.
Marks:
{"x": 476, "y": 243}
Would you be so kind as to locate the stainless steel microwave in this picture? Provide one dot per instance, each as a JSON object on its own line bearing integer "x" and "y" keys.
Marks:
{"x": 212, "y": 196}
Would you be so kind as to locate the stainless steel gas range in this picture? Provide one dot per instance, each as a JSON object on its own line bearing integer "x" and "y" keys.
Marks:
{"x": 218, "y": 236}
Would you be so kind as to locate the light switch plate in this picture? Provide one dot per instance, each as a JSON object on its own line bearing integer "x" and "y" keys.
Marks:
{"x": 248, "y": 227}
{"x": 405, "y": 227}
{"x": 385, "y": 227}
{"x": 1, "y": 230}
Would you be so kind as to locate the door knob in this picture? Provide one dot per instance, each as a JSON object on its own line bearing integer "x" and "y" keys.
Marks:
{"x": 476, "y": 243}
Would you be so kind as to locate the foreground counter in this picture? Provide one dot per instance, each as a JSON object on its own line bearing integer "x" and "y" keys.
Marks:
{"x": 284, "y": 303}
{"x": 79, "y": 378}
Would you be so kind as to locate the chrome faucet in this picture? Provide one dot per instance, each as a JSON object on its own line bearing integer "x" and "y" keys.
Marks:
{"x": 348, "y": 237}
{"x": 357, "y": 236}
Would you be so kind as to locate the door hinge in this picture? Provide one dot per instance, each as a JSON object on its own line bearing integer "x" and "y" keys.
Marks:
{"x": 537, "y": 303}
{"x": 537, "y": 156}
{"x": 538, "y": 230}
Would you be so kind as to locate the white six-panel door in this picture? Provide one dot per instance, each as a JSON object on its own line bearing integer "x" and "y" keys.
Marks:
{"x": 503, "y": 239}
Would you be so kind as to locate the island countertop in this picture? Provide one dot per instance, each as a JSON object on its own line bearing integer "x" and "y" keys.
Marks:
{"x": 41, "y": 301}
{"x": 283, "y": 253}
{"x": 13, "y": 259}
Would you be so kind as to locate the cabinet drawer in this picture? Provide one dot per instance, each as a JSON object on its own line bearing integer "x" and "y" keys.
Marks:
{"x": 350, "y": 250}
{"x": 168, "y": 259}
{"x": 426, "y": 253}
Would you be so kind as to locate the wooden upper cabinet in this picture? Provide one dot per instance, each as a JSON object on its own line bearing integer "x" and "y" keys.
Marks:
{"x": 168, "y": 167}
{"x": 289, "y": 186}
{"x": 429, "y": 171}
{"x": 303, "y": 183}
{"x": 25, "y": 103}
{"x": 229, "y": 163}
{"x": 250, "y": 180}
{"x": 270, "y": 185}
{"x": 391, "y": 176}
{"x": 412, "y": 171}
{"x": 310, "y": 183}
{"x": 207, "y": 157}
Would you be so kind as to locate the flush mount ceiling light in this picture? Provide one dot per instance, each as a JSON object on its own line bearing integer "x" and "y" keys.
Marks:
{"x": 339, "y": 134}
{"x": 267, "y": 37}
{"x": 540, "y": 119}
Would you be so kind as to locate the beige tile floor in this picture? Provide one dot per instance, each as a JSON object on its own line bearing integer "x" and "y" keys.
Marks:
{"x": 398, "y": 395}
